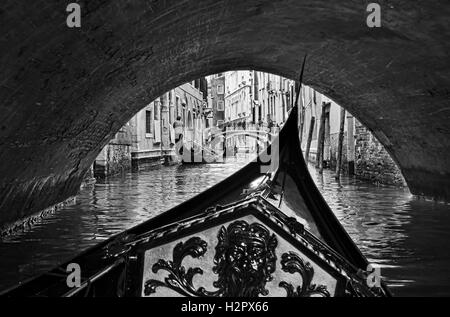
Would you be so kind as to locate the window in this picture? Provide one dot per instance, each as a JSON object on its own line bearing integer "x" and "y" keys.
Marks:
{"x": 148, "y": 123}
{"x": 177, "y": 105}
{"x": 220, "y": 105}
{"x": 171, "y": 114}
{"x": 156, "y": 105}
{"x": 220, "y": 89}
{"x": 171, "y": 107}
{"x": 190, "y": 124}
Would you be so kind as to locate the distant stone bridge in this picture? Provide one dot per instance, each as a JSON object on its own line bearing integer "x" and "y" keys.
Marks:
{"x": 260, "y": 135}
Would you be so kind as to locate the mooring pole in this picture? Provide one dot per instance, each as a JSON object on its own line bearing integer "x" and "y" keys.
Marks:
{"x": 321, "y": 140}
{"x": 340, "y": 141}
{"x": 310, "y": 133}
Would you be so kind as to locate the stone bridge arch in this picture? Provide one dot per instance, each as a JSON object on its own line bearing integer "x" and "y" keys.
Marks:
{"x": 65, "y": 92}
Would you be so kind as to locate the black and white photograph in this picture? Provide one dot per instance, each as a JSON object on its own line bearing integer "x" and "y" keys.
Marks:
{"x": 224, "y": 153}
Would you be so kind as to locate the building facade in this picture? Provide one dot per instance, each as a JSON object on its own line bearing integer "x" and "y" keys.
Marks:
{"x": 191, "y": 104}
{"x": 217, "y": 94}
{"x": 274, "y": 97}
{"x": 255, "y": 101}
{"x": 238, "y": 96}
{"x": 244, "y": 100}
{"x": 149, "y": 137}
{"x": 257, "y": 98}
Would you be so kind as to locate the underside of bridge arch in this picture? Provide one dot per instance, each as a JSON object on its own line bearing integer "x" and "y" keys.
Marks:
{"x": 65, "y": 92}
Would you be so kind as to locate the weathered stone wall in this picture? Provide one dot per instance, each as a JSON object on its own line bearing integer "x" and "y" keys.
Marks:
{"x": 89, "y": 177}
{"x": 114, "y": 159}
{"x": 373, "y": 162}
{"x": 27, "y": 222}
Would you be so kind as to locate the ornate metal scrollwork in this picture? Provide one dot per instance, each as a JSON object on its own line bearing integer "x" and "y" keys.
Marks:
{"x": 292, "y": 263}
{"x": 179, "y": 280}
{"x": 244, "y": 261}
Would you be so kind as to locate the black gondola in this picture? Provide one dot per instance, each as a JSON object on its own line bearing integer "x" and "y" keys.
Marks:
{"x": 261, "y": 226}
{"x": 250, "y": 235}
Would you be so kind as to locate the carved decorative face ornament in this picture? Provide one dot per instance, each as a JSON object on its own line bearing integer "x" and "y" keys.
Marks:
{"x": 245, "y": 259}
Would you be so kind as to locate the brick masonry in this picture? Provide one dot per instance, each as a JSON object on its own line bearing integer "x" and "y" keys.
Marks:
{"x": 372, "y": 161}
{"x": 117, "y": 158}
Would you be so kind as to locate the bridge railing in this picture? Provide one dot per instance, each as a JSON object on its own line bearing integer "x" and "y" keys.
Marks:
{"x": 255, "y": 131}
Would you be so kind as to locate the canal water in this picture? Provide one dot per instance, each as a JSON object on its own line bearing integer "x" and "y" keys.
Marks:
{"x": 408, "y": 238}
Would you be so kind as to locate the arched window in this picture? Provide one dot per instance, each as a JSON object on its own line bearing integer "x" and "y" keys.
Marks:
{"x": 189, "y": 120}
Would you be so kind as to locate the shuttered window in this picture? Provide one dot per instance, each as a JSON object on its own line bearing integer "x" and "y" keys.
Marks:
{"x": 148, "y": 122}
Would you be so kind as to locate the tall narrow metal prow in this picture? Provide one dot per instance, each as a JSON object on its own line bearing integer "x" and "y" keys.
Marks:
{"x": 294, "y": 109}
{"x": 300, "y": 81}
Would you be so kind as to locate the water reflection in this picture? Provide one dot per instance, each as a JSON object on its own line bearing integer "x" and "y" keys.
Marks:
{"x": 405, "y": 236}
